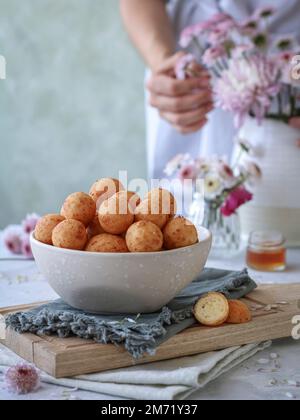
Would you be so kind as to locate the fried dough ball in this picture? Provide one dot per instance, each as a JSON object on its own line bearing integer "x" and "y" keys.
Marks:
{"x": 143, "y": 212}
{"x": 115, "y": 214}
{"x": 134, "y": 200}
{"x": 70, "y": 234}
{"x": 44, "y": 228}
{"x": 79, "y": 206}
{"x": 212, "y": 310}
{"x": 239, "y": 313}
{"x": 162, "y": 201}
{"x": 179, "y": 233}
{"x": 107, "y": 243}
{"x": 94, "y": 228}
{"x": 105, "y": 188}
{"x": 128, "y": 198}
{"x": 144, "y": 237}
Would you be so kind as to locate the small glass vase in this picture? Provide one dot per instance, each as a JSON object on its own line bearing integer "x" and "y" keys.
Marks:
{"x": 226, "y": 231}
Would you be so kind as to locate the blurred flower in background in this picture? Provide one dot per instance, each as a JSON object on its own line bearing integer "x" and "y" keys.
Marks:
{"x": 16, "y": 238}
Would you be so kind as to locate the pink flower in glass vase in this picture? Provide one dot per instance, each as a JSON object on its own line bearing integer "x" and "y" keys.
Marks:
{"x": 187, "y": 172}
{"x": 12, "y": 239}
{"x": 235, "y": 200}
{"x": 212, "y": 54}
{"x": 30, "y": 223}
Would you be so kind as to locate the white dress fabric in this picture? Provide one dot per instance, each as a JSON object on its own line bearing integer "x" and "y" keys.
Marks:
{"x": 216, "y": 138}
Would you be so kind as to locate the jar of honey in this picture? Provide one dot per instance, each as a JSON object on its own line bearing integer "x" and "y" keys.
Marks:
{"x": 266, "y": 251}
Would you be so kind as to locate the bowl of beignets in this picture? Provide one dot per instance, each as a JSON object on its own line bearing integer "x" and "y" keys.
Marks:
{"x": 113, "y": 252}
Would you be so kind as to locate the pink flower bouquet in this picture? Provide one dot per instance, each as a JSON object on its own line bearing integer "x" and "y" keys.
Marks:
{"x": 252, "y": 71}
{"x": 225, "y": 187}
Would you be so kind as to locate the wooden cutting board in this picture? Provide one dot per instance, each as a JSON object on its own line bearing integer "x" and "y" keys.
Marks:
{"x": 74, "y": 356}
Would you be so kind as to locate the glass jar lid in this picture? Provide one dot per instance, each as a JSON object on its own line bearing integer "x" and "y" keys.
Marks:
{"x": 266, "y": 239}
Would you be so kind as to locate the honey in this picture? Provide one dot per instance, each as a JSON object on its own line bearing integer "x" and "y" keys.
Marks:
{"x": 266, "y": 251}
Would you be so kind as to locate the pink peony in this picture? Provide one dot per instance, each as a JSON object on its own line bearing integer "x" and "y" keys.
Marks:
{"x": 248, "y": 86}
{"x": 12, "y": 239}
{"x": 30, "y": 222}
{"x": 187, "y": 172}
{"x": 22, "y": 379}
{"x": 26, "y": 247}
{"x": 235, "y": 200}
{"x": 182, "y": 66}
{"x": 212, "y": 54}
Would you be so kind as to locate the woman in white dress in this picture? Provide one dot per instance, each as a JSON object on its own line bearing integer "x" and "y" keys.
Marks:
{"x": 178, "y": 119}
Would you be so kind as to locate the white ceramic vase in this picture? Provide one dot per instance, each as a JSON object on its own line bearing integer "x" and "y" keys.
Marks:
{"x": 276, "y": 203}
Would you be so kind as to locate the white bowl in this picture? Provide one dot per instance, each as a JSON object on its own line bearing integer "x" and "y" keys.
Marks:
{"x": 121, "y": 283}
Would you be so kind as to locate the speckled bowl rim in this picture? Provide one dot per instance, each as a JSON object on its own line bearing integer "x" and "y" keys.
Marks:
{"x": 207, "y": 239}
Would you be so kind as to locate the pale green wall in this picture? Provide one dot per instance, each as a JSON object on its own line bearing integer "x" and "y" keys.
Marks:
{"x": 71, "y": 109}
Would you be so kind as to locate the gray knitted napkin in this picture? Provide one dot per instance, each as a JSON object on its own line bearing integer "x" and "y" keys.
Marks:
{"x": 141, "y": 334}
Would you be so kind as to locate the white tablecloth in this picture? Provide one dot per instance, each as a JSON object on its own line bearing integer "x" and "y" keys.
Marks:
{"x": 20, "y": 283}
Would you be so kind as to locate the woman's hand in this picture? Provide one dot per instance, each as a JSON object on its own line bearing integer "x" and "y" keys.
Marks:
{"x": 295, "y": 122}
{"x": 183, "y": 103}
